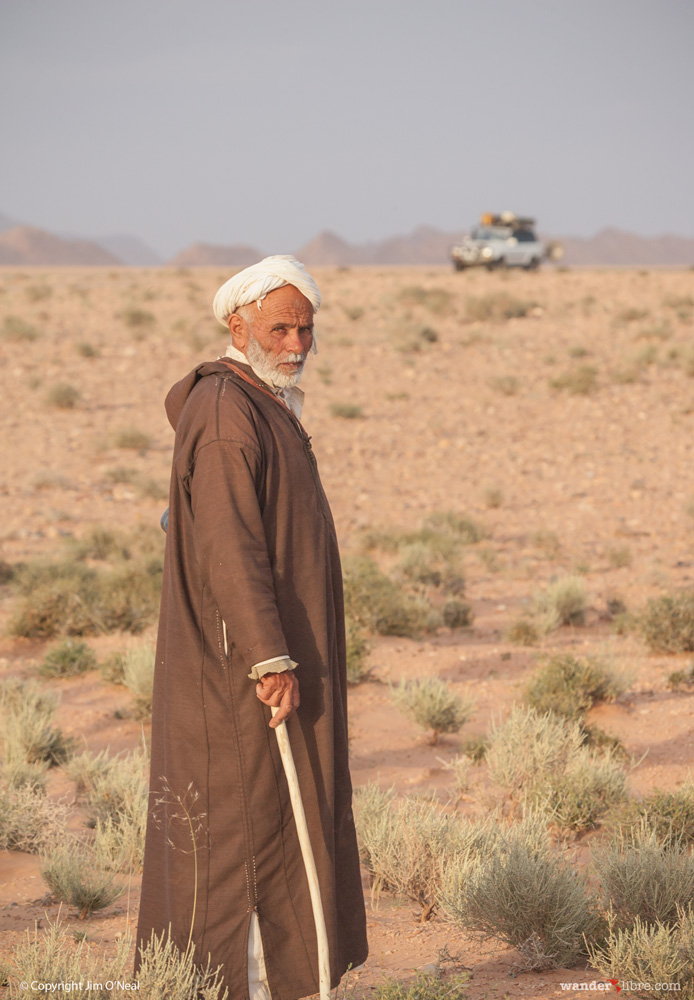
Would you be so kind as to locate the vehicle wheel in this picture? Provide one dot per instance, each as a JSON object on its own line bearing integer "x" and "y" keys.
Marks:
{"x": 458, "y": 265}
{"x": 533, "y": 264}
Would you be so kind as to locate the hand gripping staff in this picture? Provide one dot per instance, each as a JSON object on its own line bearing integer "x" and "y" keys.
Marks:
{"x": 306, "y": 849}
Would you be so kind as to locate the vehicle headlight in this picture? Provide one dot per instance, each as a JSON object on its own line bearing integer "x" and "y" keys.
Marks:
{"x": 487, "y": 252}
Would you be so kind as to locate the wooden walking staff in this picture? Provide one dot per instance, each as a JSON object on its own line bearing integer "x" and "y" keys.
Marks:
{"x": 306, "y": 849}
{"x": 307, "y": 855}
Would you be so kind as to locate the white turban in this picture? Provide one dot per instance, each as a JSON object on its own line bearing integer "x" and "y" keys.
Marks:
{"x": 255, "y": 282}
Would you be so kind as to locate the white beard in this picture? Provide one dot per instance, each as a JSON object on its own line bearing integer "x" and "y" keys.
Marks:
{"x": 267, "y": 366}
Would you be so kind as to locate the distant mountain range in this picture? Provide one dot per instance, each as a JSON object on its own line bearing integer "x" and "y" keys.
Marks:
{"x": 22, "y": 245}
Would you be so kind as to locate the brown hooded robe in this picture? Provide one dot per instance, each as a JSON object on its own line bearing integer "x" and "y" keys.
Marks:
{"x": 250, "y": 543}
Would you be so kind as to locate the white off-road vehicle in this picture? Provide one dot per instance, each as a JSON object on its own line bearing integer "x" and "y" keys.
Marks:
{"x": 505, "y": 240}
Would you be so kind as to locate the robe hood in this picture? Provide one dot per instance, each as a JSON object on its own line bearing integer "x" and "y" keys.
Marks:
{"x": 178, "y": 394}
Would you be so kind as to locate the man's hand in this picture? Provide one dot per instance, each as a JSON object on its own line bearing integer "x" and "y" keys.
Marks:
{"x": 279, "y": 691}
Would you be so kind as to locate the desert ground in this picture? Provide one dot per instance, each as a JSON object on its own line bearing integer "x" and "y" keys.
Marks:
{"x": 565, "y": 431}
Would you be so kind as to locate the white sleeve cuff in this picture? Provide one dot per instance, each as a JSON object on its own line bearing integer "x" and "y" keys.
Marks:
{"x": 277, "y": 665}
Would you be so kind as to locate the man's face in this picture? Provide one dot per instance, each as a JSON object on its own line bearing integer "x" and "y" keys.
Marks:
{"x": 277, "y": 337}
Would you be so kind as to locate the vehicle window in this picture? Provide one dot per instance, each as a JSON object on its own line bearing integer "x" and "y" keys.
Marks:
{"x": 524, "y": 236}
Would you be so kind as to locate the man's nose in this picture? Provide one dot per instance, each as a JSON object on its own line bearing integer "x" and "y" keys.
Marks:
{"x": 297, "y": 342}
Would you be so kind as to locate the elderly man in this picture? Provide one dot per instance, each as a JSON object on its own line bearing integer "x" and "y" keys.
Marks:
{"x": 252, "y": 619}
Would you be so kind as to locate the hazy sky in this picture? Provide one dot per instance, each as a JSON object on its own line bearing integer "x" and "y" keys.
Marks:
{"x": 266, "y": 122}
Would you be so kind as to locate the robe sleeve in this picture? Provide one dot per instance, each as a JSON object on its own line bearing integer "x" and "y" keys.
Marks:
{"x": 231, "y": 549}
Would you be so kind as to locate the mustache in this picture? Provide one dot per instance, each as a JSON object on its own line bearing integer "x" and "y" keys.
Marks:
{"x": 294, "y": 358}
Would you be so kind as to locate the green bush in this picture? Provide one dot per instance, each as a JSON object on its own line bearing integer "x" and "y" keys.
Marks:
{"x": 130, "y": 438}
{"x": 667, "y": 623}
{"x": 358, "y": 649}
{"x": 523, "y": 632}
{"x": 579, "y": 381}
{"x": 563, "y": 602}
{"x": 496, "y": 306}
{"x": 529, "y": 747}
{"x": 590, "y": 786}
{"x": 15, "y": 329}
{"x": 73, "y": 876}
{"x": 69, "y": 598}
{"x": 63, "y": 396}
{"x": 521, "y": 892}
{"x": 432, "y": 705}
{"x": 649, "y": 953}
{"x": 29, "y": 820}
{"x": 668, "y": 814}
{"x": 569, "y": 686}
{"x": 347, "y": 411}
{"x": 644, "y": 877}
{"x": 26, "y": 730}
{"x": 138, "y": 677}
{"x": 403, "y": 843}
{"x": 377, "y": 604}
{"x": 67, "y": 659}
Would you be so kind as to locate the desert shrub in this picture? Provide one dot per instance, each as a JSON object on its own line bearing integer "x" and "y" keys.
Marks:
{"x": 85, "y": 768}
{"x": 493, "y": 497}
{"x": 529, "y": 747}
{"x": 100, "y": 543}
{"x": 644, "y": 876}
{"x": 19, "y": 773}
{"x": 130, "y": 438}
{"x": 508, "y": 385}
{"x": 38, "y": 293}
{"x": 457, "y": 614}
{"x": 563, "y": 602}
{"x": 73, "y": 876}
{"x": 167, "y": 973}
{"x": 424, "y": 986}
{"x": 87, "y": 350}
{"x": 650, "y": 954}
{"x": 56, "y": 957}
{"x": 111, "y": 668}
{"x": 453, "y": 528}
{"x": 631, "y": 314}
{"x": 138, "y": 677}
{"x": 67, "y": 659}
{"x": 436, "y": 300}
{"x": 619, "y": 557}
{"x": 63, "y": 396}
{"x": 411, "y": 338}
{"x": 377, "y": 604}
{"x": 432, "y": 705}
{"x": 459, "y": 766}
{"x": 137, "y": 319}
{"x": 347, "y": 411}
{"x": 569, "y": 685}
{"x": 119, "y": 791}
{"x": 26, "y": 727}
{"x": 577, "y": 798}
{"x": 667, "y": 623}
{"x": 521, "y": 892}
{"x": 548, "y": 542}
{"x": 404, "y": 841}
{"x": 475, "y": 749}
{"x": 523, "y": 632}
{"x": 358, "y": 649}
{"x": 668, "y": 814}
{"x": 15, "y": 329}
{"x": 496, "y": 306}
{"x": 579, "y": 381}
{"x": 69, "y": 598}
{"x": 29, "y": 820}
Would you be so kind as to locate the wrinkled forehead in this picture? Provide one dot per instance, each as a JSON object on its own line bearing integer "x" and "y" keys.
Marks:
{"x": 286, "y": 303}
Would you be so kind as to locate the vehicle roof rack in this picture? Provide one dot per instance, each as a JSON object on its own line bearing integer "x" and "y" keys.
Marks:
{"x": 507, "y": 219}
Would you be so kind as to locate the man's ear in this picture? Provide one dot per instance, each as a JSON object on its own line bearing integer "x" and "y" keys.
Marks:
{"x": 238, "y": 328}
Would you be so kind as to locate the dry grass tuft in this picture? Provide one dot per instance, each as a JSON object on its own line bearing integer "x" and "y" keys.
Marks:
{"x": 569, "y": 686}
{"x": 667, "y": 623}
{"x": 73, "y": 876}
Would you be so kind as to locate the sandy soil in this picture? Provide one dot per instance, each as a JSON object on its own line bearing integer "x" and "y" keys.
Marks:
{"x": 576, "y": 476}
